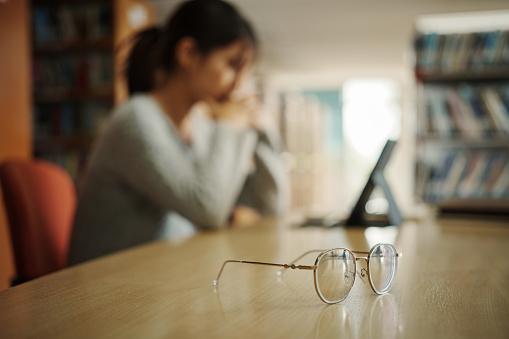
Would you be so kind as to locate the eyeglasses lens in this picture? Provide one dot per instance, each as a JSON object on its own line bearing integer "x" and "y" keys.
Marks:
{"x": 382, "y": 267}
{"x": 335, "y": 274}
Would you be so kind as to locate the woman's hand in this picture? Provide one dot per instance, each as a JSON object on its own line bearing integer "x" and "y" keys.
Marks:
{"x": 243, "y": 216}
{"x": 241, "y": 113}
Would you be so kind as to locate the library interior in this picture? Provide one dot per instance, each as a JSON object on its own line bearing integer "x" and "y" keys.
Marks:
{"x": 380, "y": 137}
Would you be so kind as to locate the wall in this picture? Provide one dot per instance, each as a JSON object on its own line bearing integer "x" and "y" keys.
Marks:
{"x": 15, "y": 99}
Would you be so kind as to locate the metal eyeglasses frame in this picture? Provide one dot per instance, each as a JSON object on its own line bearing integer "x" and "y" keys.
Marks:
{"x": 314, "y": 267}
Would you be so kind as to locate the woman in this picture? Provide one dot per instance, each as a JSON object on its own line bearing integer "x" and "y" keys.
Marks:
{"x": 157, "y": 172}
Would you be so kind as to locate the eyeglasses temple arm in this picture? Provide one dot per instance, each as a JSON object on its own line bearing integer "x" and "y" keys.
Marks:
{"x": 282, "y": 271}
{"x": 300, "y": 267}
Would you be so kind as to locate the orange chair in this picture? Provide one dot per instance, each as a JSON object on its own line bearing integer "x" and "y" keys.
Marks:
{"x": 40, "y": 200}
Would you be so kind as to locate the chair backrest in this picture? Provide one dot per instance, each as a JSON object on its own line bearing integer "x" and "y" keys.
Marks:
{"x": 40, "y": 200}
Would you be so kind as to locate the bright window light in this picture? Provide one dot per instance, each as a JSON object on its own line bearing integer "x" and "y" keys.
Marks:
{"x": 372, "y": 114}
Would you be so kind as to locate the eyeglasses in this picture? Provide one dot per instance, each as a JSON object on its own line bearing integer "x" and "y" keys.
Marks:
{"x": 334, "y": 270}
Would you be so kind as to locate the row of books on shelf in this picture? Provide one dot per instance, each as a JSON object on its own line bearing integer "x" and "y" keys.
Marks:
{"x": 468, "y": 175}
{"x": 70, "y": 22}
{"x": 462, "y": 52}
{"x": 80, "y": 72}
{"x": 72, "y": 161}
{"x": 69, "y": 119}
{"x": 303, "y": 124}
{"x": 471, "y": 111}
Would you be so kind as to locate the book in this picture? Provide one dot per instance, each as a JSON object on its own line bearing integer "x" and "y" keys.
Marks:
{"x": 452, "y": 179}
{"x": 462, "y": 53}
{"x": 503, "y": 52}
{"x": 431, "y": 44}
{"x": 463, "y": 115}
{"x": 503, "y": 94}
{"x": 496, "y": 109}
{"x": 475, "y": 110}
{"x": 43, "y": 31}
{"x": 66, "y": 23}
{"x": 449, "y": 47}
{"x": 477, "y": 188}
{"x": 439, "y": 116}
{"x": 438, "y": 175}
{"x": 501, "y": 186}
{"x": 496, "y": 167}
{"x": 471, "y": 175}
{"x": 493, "y": 40}
{"x": 477, "y": 54}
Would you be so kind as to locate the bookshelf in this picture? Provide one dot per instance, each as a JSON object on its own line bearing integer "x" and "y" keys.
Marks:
{"x": 462, "y": 75}
{"x": 75, "y": 71}
{"x": 302, "y": 128}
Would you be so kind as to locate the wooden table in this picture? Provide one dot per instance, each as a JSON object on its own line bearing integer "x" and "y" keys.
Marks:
{"x": 453, "y": 281}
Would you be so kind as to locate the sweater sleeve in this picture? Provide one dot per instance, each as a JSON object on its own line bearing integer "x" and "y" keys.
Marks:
{"x": 266, "y": 189}
{"x": 144, "y": 151}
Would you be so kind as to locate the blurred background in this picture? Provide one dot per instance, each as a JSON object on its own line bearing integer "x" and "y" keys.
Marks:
{"x": 337, "y": 78}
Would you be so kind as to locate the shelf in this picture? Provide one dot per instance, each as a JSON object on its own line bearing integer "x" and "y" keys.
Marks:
{"x": 74, "y": 83}
{"x": 476, "y": 206}
{"x": 472, "y": 76}
{"x": 56, "y": 95}
{"x": 55, "y": 144}
{"x": 464, "y": 142}
{"x": 81, "y": 45}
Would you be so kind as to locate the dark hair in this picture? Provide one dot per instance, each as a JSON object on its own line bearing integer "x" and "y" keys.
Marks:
{"x": 211, "y": 23}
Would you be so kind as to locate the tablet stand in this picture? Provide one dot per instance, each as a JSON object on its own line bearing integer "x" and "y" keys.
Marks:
{"x": 359, "y": 216}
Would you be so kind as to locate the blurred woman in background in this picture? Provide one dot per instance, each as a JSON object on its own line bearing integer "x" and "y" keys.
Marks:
{"x": 159, "y": 171}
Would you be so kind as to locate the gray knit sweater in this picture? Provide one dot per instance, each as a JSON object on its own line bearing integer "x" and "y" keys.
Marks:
{"x": 144, "y": 183}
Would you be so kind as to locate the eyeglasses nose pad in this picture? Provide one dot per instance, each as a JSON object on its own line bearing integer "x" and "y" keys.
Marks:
{"x": 348, "y": 277}
{"x": 362, "y": 274}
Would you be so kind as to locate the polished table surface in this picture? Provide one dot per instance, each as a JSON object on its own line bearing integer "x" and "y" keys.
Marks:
{"x": 453, "y": 281}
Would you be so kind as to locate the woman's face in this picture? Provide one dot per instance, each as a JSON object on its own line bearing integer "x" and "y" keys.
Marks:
{"x": 218, "y": 73}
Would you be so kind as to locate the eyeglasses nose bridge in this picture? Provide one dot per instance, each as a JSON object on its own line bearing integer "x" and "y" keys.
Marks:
{"x": 363, "y": 271}
{"x": 365, "y": 258}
